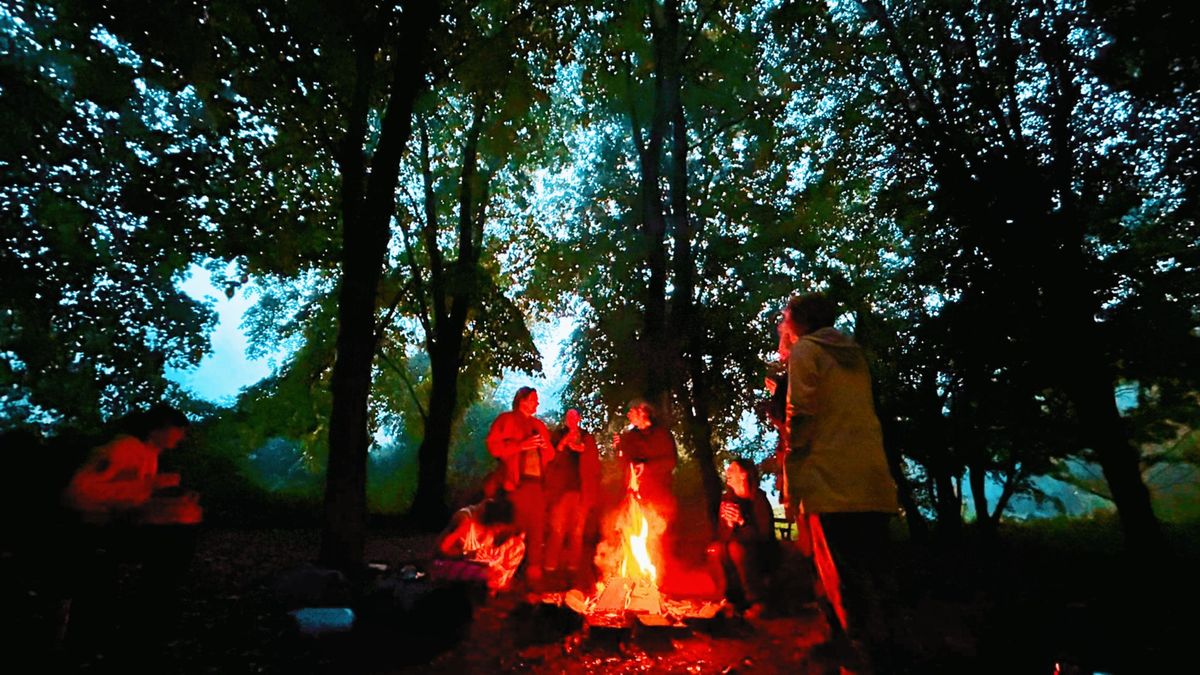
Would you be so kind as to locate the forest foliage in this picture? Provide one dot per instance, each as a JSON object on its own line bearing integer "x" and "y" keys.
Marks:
{"x": 1002, "y": 195}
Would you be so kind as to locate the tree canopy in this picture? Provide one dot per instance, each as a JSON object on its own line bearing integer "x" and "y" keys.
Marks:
{"x": 1001, "y": 195}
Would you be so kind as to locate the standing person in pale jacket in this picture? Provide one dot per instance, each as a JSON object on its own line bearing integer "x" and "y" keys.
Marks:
{"x": 836, "y": 465}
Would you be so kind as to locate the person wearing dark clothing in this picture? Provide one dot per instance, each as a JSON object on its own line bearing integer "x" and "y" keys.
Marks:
{"x": 745, "y": 543}
{"x": 571, "y": 487}
{"x": 647, "y": 449}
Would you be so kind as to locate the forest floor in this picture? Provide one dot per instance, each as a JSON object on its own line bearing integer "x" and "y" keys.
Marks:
{"x": 1043, "y": 599}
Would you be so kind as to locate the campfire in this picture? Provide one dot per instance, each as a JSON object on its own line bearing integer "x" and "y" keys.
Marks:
{"x": 629, "y": 588}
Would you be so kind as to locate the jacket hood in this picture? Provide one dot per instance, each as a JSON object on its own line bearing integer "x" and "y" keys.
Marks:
{"x": 840, "y": 346}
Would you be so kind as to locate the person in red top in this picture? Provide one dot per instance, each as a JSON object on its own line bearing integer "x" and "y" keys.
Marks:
{"x": 522, "y": 444}
{"x": 128, "y": 510}
{"x": 648, "y": 449}
{"x": 120, "y": 480}
{"x": 572, "y": 484}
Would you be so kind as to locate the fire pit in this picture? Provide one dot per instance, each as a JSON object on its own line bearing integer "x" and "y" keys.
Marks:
{"x": 628, "y": 592}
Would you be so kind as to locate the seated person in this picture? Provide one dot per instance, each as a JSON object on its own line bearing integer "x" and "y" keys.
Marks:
{"x": 120, "y": 481}
{"x": 745, "y": 539}
{"x": 129, "y": 511}
{"x": 481, "y": 544}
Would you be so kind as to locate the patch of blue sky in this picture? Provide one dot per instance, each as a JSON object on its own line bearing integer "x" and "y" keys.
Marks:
{"x": 756, "y": 442}
{"x": 801, "y": 174}
{"x": 254, "y": 126}
{"x": 271, "y": 321}
{"x": 227, "y": 369}
{"x": 550, "y": 337}
{"x": 934, "y": 301}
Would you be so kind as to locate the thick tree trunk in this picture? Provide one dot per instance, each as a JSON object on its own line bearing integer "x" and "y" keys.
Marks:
{"x": 941, "y": 466}
{"x": 1088, "y": 380}
{"x": 1091, "y": 388}
{"x": 1104, "y": 431}
{"x": 686, "y": 323}
{"x": 699, "y": 430}
{"x": 655, "y": 350}
{"x": 947, "y": 502}
{"x": 429, "y": 509}
{"x": 367, "y": 207}
{"x": 344, "y": 533}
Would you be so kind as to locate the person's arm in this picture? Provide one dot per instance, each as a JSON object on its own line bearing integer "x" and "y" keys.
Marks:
{"x": 566, "y": 441}
{"x": 450, "y": 541}
{"x": 660, "y": 453}
{"x": 803, "y": 380}
{"x": 541, "y": 441}
{"x": 118, "y": 475}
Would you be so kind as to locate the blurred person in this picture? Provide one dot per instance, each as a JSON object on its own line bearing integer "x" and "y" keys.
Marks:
{"x": 129, "y": 511}
{"x": 481, "y": 544}
{"x": 120, "y": 480}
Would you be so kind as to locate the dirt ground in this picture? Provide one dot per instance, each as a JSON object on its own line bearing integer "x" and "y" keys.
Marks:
{"x": 1031, "y": 606}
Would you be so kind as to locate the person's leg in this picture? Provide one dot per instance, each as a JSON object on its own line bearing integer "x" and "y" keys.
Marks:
{"x": 716, "y": 556}
{"x": 88, "y": 621}
{"x": 664, "y": 506}
{"x": 511, "y": 553}
{"x": 575, "y": 524}
{"x": 559, "y": 514}
{"x": 747, "y": 565}
{"x": 165, "y": 553}
{"x": 857, "y": 542}
{"x": 531, "y": 519}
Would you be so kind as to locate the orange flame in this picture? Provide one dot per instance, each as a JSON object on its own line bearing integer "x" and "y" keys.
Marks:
{"x": 635, "y": 545}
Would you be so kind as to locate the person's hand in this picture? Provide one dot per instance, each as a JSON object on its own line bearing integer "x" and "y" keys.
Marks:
{"x": 770, "y": 385}
{"x": 166, "y": 480}
{"x": 617, "y": 441}
{"x": 731, "y": 514}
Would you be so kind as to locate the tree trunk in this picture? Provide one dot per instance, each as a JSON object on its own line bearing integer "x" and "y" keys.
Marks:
{"x": 429, "y": 509}
{"x": 686, "y": 324}
{"x": 653, "y": 344}
{"x": 1105, "y": 432}
{"x": 446, "y": 349}
{"x": 1089, "y": 383}
{"x": 367, "y": 207}
{"x": 984, "y": 521}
